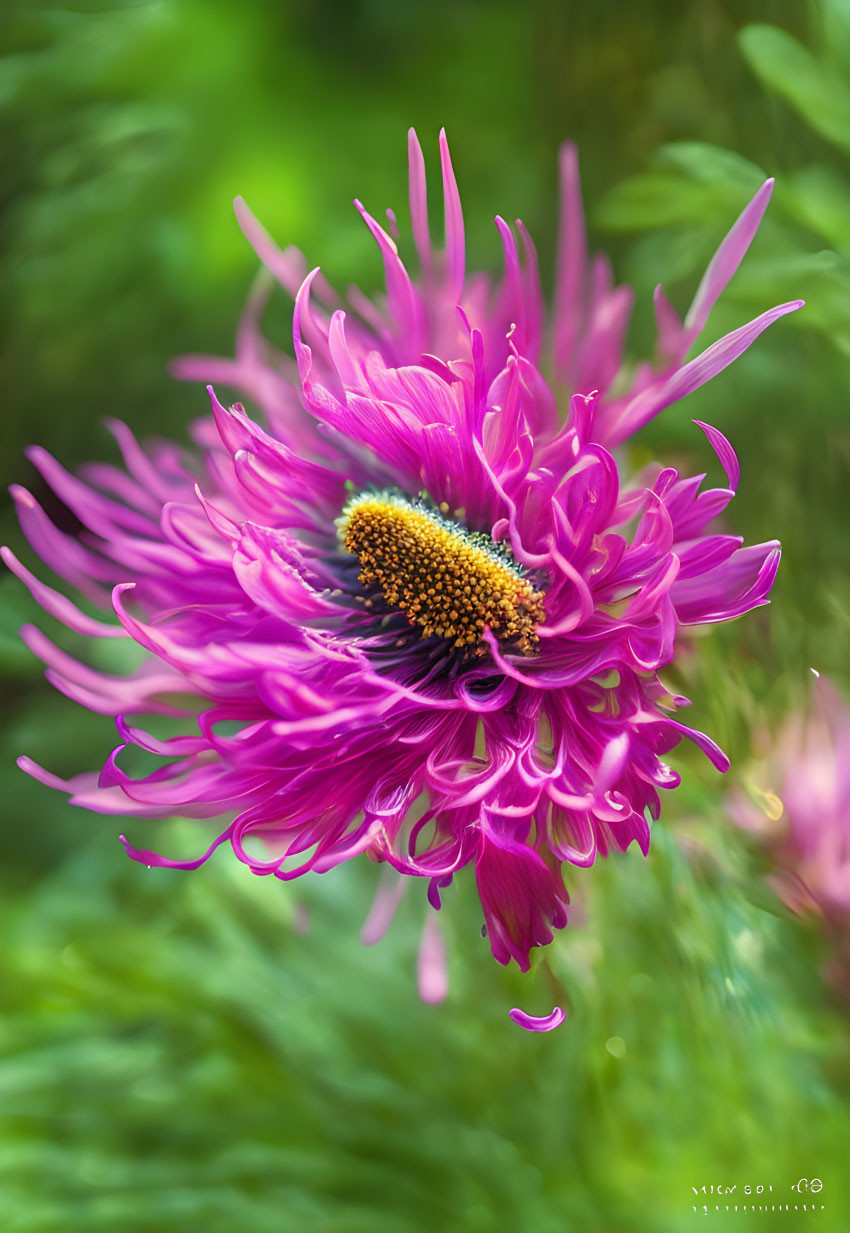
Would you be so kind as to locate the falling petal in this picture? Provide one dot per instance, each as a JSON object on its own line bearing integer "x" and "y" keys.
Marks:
{"x": 538, "y": 1023}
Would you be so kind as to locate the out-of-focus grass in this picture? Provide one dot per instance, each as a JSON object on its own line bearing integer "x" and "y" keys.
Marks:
{"x": 174, "y": 1056}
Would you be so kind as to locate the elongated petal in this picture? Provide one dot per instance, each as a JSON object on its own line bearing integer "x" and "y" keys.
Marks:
{"x": 455, "y": 243}
{"x": 419, "y": 201}
{"x": 572, "y": 260}
{"x": 58, "y": 605}
{"x": 726, "y": 260}
{"x": 646, "y": 405}
{"x": 432, "y": 970}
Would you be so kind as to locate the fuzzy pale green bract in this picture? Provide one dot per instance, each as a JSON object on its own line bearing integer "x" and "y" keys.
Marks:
{"x": 471, "y": 680}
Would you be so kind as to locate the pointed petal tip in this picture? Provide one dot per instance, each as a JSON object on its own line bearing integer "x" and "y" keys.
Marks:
{"x": 568, "y": 155}
{"x": 762, "y": 194}
{"x": 21, "y": 495}
{"x": 245, "y": 217}
{"x": 213, "y": 397}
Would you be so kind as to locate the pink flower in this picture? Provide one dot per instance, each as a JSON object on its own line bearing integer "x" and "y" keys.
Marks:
{"x": 801, "y": 811}
{"x": 420, "y": 613}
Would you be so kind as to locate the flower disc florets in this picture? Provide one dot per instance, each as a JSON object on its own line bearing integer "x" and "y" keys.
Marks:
{"x": 441, "y": 688}
{"x": 450, "y": 583}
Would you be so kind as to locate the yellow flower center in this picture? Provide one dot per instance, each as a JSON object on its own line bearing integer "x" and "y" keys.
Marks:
{"x": 449, "y": 582}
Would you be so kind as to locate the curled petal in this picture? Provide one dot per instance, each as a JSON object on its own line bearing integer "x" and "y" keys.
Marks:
{"x": 538, "y": 1023}
{"x": 723, "y": 450}
{"x": 740, "y": 583}
{"x": 154, "y": 860}
{"x": 58, "y": 605}
{"x": 418, "y": 201}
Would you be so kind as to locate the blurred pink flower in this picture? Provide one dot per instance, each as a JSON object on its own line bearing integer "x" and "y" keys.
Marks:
{"x": 801, "y": 814}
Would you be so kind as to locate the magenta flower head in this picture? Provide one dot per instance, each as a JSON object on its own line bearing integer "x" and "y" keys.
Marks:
{"x": 416, "y": 611}
{"x": 797, "y": 802}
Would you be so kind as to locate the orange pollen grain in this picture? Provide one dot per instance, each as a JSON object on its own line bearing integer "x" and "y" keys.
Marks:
{"x": 438, "y": 575}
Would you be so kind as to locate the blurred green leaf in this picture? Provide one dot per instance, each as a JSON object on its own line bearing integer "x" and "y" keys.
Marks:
{"x": 653, "y": 200}
{"x": 818, "y": 198}
{"x": 834, "y": 17}
{"x": 710, "y": 165}
{"x": 819, "y": 93}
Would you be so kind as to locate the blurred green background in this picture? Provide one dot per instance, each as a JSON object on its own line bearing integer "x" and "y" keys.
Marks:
{"x": 175, "y": 1055}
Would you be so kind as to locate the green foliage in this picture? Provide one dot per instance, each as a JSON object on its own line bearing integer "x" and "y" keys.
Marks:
{"x": 176, "y": 1057}
{"x": 819, "y": 91}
